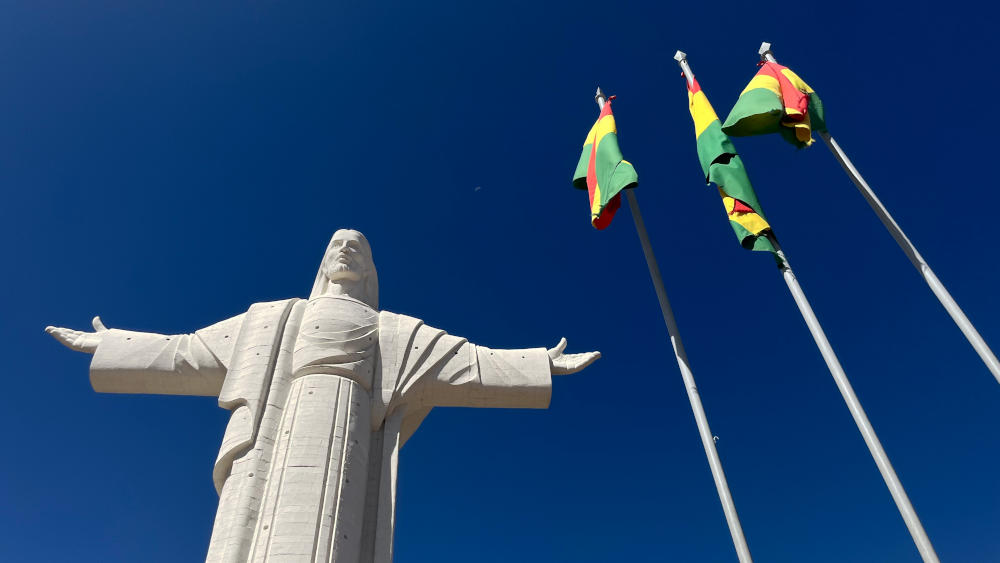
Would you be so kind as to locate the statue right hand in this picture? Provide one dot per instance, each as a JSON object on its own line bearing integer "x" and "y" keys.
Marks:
{"x": 77, "y": 339}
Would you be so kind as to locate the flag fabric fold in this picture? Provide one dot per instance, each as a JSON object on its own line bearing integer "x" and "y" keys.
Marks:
{"x": 777, "y": 101}
{"x": 602, "y": 170}
{"x": 722, "y": 166}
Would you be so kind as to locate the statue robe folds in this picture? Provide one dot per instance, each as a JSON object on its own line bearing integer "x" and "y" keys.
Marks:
{"x": 307, "y": 467}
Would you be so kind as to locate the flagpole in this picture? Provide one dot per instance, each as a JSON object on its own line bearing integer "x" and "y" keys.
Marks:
{"x": 846, "y": 390}
{"x": 892, "y": 481}
{"x": 897, "y": 233}
{"x": 707, "y": 440}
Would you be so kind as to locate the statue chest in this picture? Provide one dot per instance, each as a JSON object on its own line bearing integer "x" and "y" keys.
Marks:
{"x": 338, "y": 336}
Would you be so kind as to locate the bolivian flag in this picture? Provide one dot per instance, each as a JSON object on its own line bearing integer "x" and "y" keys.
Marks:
{"x": 777, "y": 101}
{"x": 602, "y": 171}
{"x": 722, "y": 165}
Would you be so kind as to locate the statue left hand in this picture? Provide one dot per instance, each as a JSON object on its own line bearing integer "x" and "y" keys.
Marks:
{"x": 564, "y": 364}
{"x": 77, "y": 339}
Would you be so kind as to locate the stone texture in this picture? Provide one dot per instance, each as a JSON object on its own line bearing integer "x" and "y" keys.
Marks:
{"x": 323, "y": 394}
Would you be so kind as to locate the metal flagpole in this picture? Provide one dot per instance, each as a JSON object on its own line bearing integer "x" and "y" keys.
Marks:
{"x": 860, "y": 418}
{"x": 897, "y": 233}
{"x": 721, "y": 485}
{"x": 844, "y": 385}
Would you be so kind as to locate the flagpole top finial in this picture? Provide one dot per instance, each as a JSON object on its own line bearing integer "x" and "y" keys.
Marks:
{"x": 765, "y": 52}
{"x": 599, "y": 96}
{"x": 681, "y": 58}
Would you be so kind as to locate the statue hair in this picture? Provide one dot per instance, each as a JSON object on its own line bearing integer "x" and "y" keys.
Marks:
{"x": 370, "y": 279}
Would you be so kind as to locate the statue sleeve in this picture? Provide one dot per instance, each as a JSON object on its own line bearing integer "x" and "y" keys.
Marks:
{"x": 476, "y": 376}
{"x": 186, "y": 364}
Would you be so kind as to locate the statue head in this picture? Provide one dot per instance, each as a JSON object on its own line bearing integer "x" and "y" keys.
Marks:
{"x": 348, "y": 263}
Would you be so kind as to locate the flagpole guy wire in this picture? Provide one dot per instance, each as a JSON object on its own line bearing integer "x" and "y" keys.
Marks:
{"x": 707, "y": 439}
{"x": 897, "y": 233}
{"x": 846, "y": 390}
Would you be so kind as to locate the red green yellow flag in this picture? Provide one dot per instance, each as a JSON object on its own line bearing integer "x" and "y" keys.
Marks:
{"x": 602, "y": 171}
{"x": 777, "y": 101}
{"x": 723, "y": 166}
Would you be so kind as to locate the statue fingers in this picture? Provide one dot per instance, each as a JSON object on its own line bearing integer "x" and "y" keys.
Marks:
{"x": 583, "y": 360}
{"x": 75, "y": 339}
{"x": 572, "y": 363}
{"x": 98, "y": 325}
{"x": 64, "y": 336}
{"x": 57, "y": 332}
{"x": 558, "y": 350}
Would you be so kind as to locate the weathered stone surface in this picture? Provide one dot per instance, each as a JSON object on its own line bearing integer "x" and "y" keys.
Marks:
{"x": 323, "y": 393}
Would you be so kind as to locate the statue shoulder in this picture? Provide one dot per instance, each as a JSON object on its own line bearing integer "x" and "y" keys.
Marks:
{"x": 399, "y": 322}
{"x": 391, "y": 317}
{"x": 280, "y": 304}
{"x": 222, "y": 336}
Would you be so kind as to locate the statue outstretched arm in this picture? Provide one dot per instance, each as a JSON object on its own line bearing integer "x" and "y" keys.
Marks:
{"x": 477, "y": 376}
{"x": 141, "y": 362}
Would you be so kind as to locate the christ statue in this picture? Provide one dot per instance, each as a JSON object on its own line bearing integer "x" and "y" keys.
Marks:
{"x": 323, "y": 392}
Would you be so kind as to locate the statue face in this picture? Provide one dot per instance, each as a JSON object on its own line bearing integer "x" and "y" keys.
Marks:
{"x": 348, "y": 258}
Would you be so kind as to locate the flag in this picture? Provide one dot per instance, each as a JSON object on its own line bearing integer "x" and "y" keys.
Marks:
{"x": 602, "y": 171}
{"x": 722, "y": 165}
{"x": 777, "y": 101}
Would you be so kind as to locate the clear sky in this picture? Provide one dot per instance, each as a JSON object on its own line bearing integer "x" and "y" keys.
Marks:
{"x": 165, "y": 165}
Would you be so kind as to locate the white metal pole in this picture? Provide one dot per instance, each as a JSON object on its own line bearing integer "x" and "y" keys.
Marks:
{"x": 916, "y": 529}
{"x": 892, "y": 481}
{"x": 707, "y": 440}
{"x": 897, "y": 233}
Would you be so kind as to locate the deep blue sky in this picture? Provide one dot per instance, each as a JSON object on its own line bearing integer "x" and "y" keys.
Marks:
{"x": 165, "y": 165}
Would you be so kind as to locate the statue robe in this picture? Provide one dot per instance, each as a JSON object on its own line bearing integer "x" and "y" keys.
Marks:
{"x": 270, "y": 506}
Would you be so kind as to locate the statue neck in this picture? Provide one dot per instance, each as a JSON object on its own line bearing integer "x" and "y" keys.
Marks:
{"x": 354, "y": 289}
